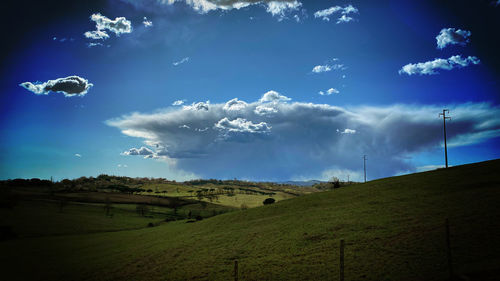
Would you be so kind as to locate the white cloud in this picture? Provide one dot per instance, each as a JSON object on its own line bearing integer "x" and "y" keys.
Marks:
{"x": 96, "y": 35}
{"x": 139, "y": 151}
{"x": 178, "y": 102}
{"x": 78, "y": 155}
{"x": 146, "y": 22}
{"x": 344, "y": 19}
{"x": 343, "y": 11}
{"x": 431, "y": 67}
{"x": 278, "y": 8}
{"x": 273, "y": 96}
{"x": 321, "y": 68}
{"x": 281, "y": 8}
{"x": 328, "y": 67}
{"x": 70, "y": 86}
{"x": 122, "y": 165}
{"x": 347, "y": 131}
{"x": 329, "y": 92}
{"x": 452, "y": 36}
{"x": 92, "y": 44}
{"x": 118, "y": 26}
{"x": 298, "y": 139}
{"x": 197, "y": 106}
{"x": 265, "y": 110}
{"x": 241, "y": 125}
{"x": 176, "y": 63}
{"x": 235, "y": 105}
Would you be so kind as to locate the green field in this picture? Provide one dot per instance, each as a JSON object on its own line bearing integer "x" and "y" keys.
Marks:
{"x": 393, "y": 228}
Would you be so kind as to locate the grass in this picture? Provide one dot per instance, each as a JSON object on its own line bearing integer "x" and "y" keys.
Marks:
{"x": 44, "y": 218}
{"x": 393, "y": 228}
{"x": 249, "y": 200}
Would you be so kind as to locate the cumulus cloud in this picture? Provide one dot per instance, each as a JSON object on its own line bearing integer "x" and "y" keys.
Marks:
{"x": 144, "y": 151}
{"x": 431, "y": 67}
{"x": 235, "y": 105}
{"x": 278, "y": 8}
{"x": 176, "y": 63}
{"x": 338, "y": 10}
{"x": 241, "y": 125}
{"x": 265, "y": 110}
{"x": 329, "y": 92}
{"x": 452, "y": 36}
{"x": 103, "y": 24}
{"x": 197, "y": 106}
{"x": 281, "y": 140}
{"x": 70, "y": 86}
{"x": 146, "y": 22}
{"x": 273, "y": 96}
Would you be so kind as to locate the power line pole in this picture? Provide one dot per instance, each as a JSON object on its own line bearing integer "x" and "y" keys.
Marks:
{"x": 444, "y": 127}
{"x": 364, "y": 165}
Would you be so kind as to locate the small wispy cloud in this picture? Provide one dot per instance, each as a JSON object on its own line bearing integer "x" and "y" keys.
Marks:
{"x": 347, "y": 131}
{"x": 329, "y": 92}
{"x": 78, "y": 155}
{"x": 452, "y": 36}
{"x": 146, "y": 22}
{"x": 432, "y": 67}
{"x": 184, "y": 60}
{"x": 178, "y": 102}
{"x": 122, "y": 165}
{"x": 343, "y": 11}
{"x": 329, "y": 66}
{"x": 92, "y": 44}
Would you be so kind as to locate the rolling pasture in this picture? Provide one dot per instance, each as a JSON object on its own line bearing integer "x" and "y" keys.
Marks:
{"x": 394, "y": 229}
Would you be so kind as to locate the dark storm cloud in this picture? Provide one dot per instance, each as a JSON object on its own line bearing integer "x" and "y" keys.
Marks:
{"x": 69, "y": 86}
{"x": 288, "y": 140}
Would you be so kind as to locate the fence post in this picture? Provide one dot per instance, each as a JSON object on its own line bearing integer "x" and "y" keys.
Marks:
{"x": 235, "y": 270}
{"x": 448, "y": 248}
{"x": 341, "y": 276}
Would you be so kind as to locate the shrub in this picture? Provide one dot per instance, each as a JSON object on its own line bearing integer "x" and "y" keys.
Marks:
{"x": 269, "y": 201}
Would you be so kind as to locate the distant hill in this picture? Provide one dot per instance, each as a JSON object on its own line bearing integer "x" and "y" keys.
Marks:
{"x": 301, "y": 183}
{"x": 393, "y": 228}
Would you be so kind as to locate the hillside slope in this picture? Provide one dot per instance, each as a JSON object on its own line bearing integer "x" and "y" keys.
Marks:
{"x": 393, "y": 228}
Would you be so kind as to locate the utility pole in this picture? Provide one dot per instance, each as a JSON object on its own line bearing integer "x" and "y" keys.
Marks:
{"x": 444, "y": 127}
{"x": 364, "y": 165}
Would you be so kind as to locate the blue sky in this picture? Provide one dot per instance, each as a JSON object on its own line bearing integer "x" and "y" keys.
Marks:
{"x": 284, "y": 129}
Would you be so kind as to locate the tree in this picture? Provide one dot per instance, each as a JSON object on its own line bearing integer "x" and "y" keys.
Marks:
{"x": 335, "y": 182}
{"x": 269, "y": 201}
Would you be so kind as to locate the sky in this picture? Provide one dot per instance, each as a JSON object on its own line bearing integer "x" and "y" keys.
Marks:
{"x": 256, "y": 90}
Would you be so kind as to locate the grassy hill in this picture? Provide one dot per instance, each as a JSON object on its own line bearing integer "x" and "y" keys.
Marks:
{"x": 393, "y": 228}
